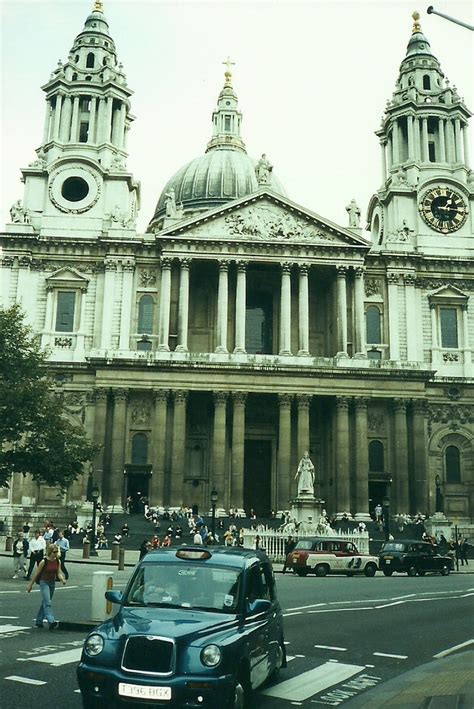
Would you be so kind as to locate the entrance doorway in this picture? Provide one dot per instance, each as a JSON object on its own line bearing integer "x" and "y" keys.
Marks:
{"x": 377, "y": 491}
{"x": 257, "y": 477}
{"x": 138, "y": 482}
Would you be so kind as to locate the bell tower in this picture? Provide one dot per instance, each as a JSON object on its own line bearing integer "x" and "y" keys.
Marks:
{"x": 79, "y": 185}
{"x": 427, "y": 185}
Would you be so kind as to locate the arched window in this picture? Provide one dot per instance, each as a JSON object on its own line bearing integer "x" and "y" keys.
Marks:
{"x": 373, "y": 325}
{"x": 376, "y": 457}
{"x": 90, "y": 61}
{"x": 145, "y": 314}
{"x": 426, "y": 82}
{"x": 453, "y": 464}
{"x": 139, "y": 449}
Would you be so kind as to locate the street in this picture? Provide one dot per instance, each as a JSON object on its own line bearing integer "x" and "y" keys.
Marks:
{"x": 344, "y": 635}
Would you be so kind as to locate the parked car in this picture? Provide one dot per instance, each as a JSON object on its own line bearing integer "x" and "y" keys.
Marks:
{"x": 323, "y": 555}
{"x": 196, "y": 627}
{"x": 413, "y": 557}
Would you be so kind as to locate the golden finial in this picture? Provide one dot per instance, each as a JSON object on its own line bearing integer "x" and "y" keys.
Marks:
{"x": 228, "y": 74}
{"x": 98, "y": 6}
{"x": 416, "y": 24}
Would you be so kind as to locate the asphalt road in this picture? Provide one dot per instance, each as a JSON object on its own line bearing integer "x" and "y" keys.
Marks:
{"x": 344, "y": 635}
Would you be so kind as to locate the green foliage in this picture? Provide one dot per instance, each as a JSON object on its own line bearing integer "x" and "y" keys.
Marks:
{"x": 35, "y": 437}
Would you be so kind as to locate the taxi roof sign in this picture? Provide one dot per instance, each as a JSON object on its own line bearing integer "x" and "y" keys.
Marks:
{"x": 193, "y": 554}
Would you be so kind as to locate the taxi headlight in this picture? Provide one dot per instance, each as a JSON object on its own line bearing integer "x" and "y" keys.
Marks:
{"x": 211, "y": 655}
{"x": 94, "y": 645}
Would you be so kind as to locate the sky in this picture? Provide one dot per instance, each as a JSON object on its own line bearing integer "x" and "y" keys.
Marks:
{"x": 312, "y": 78}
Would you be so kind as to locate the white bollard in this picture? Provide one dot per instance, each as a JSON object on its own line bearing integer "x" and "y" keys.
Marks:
{"x": 102, "y": 581}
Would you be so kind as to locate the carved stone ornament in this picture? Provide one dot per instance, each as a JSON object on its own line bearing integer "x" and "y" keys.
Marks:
{"x": 372, "y": 286}
{"x": 375, "y": 421}
{"x": 147, "y": 278}
{"x": 263, "y": 223}
{"x": 63, "y": 342}
{"x": 452, "y": 415}
{"x": 141, "y": 414}
{"x": 74, "y": 403}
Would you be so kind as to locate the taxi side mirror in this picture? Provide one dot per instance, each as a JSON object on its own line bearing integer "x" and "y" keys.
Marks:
{"x": 260, "y": 605}
{"x": 114, "y": 596}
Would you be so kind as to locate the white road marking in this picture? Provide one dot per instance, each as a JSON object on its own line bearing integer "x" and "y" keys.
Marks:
{"x": 387, "y": 654}
{"x": 449, "y": 650}
{"x": 25, "y": 680}
{"x": 287, "y": 615}
{"x": 57, "y": 658}
{"x": 12, "y": 628}
{"x": 343, "y": 610}
{"x": 9, "y": 617}
{"x": 303, "y": 686}
{"x": 387, "y": 605}
{"x": 3, "y": 592}
{"x": 330, "y": 647}
{"x": 77, "y": 691}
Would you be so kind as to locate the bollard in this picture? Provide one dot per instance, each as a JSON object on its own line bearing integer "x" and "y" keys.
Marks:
{"x": 86, "y": 549}
{"x": 121, "y": 560}
{"x": 102, "y": 581}
{"x": 8, "y": 543}
{"x": 114, "y": 555}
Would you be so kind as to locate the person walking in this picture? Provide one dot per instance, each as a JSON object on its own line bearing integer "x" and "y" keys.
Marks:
{"x": 46, "y": 574}
{"x": 289, "y": 546}
{"x": 37, "y": 547}
{"x": 63, "y": 545}
{"x": 20, "y": 552}
{"x": 463, "y": 549}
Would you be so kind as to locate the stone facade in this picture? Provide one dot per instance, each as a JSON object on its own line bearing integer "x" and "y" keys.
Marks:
{"x": 211, "y": 351}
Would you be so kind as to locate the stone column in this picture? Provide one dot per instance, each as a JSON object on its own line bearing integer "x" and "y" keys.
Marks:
{"x": 465, "y": 140}
{"x": 424, "y": 140}
{"x": 240, "y": 307}
{"x": 465, "y": 332}
{"x": 222, "y": 307}
{"x": 100, "y": 422}
{"x": 341, "y": 311}
{"x": 128, "y": 268}
{"x": 411, "y": 142}
{"x": 26, "y": 291}
{"x": 359, "y": 298}
{"x": 458, "y": 139}
{"x": 411, "y": 319}
{"x": 157, "y": 488}
{"x": 79, "y": 352}
{"x": 389, "y": 153}
{"x": 395, "y": 143}
{"x": 401, "y": 473}
{"x": 108, "y": 303}
{"x": 108, "y": 119}
{"x": 361, "y": 497}
{"x": 238, "y": 448}
{"x": 5, "y": 281}
{"x": 450, "y": 150}
{"x": 57, "y": 116}
{"x": 435, "y": 349}
{"x": 121, "y": 131}
{"x": 342, "y": 456}
{"x": 416, "y": 132}
{"x": 115, "y": 484}
{"x": 284, "y": 452}
{"x": 218, "y": 476}
{"x": 303, "y": 311}
{"x": 65, "y": 128}
{"x": 442, "y": 141}
{"x": 383, "y": 147}
{"x": 420, "y": 486}
{"x": 165, "y": 302}
{"x": 303, "y": 403}
{"x": 47, "y": 122}
{"x": 91, "y": 137}
{"x": 100, "y": 120}
{"x": 285, "y": 310}
{"x": 393, "y": 316}
{"x": 179, "y": 448}
{"x": 75, "y": 121}
{"x": 183, "y": 305}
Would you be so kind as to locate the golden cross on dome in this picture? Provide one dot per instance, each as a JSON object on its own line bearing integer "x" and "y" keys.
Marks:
{"x": 98, "y": 6}
{"x": 416, "y": 24}
{"x": 228, "y": 63}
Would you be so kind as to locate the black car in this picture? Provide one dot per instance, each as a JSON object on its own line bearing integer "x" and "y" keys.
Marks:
{"x": 413, "y": 557}
{"x": 196, "y": 627}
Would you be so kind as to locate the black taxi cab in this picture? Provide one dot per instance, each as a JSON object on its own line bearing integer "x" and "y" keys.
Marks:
{"x": 196, "y": 627}
{"x": 413, "y": 556}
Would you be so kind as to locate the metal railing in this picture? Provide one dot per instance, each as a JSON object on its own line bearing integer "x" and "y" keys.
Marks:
{"x": 273, "y": 541}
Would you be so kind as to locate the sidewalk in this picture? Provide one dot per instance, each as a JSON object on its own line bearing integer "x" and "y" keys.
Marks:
{"x": 445, "y": 683}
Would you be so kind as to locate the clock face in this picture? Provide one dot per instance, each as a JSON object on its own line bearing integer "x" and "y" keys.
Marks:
{"x": 443, "y": 209}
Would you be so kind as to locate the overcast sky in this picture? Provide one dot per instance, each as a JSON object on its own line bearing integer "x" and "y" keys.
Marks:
{"x": 312, "y": 80}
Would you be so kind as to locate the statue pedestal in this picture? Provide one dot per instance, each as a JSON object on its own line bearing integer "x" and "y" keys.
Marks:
{"x": 307, "y": 509}
{"x": 438, "y": 524}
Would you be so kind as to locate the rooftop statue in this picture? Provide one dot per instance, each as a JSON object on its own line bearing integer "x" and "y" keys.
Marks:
{"x": 354, "y": 214}
{"x": 263, "y": 171}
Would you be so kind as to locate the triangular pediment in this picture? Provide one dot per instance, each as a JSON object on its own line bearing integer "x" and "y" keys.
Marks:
{"x": 265, "y": 216}
{"x": 67, "y": 277}
{"x": 448, "y": 292}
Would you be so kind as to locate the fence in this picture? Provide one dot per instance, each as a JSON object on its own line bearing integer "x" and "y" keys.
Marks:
{"x": 273, "y": 542}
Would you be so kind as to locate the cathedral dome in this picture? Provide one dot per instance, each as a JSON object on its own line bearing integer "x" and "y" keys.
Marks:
{"x": 210, "y": 180}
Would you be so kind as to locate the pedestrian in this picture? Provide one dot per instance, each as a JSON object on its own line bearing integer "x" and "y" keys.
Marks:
{"x": 289, "y": 546}
{"x": 463, "y": 549}
{"x": 125, "y": 530}
{"x": 20, "y": 552}
{"x": 47, "y": 573}
{"x": 197, "y": 539}
{"x": 63, "y": 545}
{"x": 378, "y": 512}
{"x": 145, "y": 547}
{"x": 37, "y": 547}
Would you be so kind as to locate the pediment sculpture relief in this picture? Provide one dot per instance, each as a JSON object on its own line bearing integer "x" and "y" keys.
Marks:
{"x": 262, "y": 223}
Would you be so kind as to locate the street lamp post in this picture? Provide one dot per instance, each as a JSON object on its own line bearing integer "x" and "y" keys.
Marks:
{"x": 95, "y": 493}
{"x": 214, "y": 498}
{"x": 386, "y": 517}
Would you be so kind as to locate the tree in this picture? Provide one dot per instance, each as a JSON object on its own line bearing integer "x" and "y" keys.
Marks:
{"x": 35, "y": 436}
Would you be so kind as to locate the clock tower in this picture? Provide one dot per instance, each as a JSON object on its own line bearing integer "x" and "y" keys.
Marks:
{"x": 424, "y": 204}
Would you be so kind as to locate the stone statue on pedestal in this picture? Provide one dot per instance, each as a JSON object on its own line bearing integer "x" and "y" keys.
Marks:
{"x": 305, "y": 475}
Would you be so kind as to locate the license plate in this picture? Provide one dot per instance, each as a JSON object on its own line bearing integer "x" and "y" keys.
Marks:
{"x": 295, "y": 559}
{"x": 138, "y": 690}
{"x": 387, "y": 561}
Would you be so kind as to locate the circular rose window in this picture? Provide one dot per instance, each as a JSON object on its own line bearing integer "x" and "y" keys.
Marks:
{"x": 75, "y": 189}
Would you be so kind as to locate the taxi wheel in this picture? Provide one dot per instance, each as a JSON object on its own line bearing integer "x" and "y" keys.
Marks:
{"x": 241, "y": 697}
{"x": 411, "y": 571}
{"x": 370, "y": 570}
{"x": 321, "y": 570}
{"x": 387, "y": 572}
